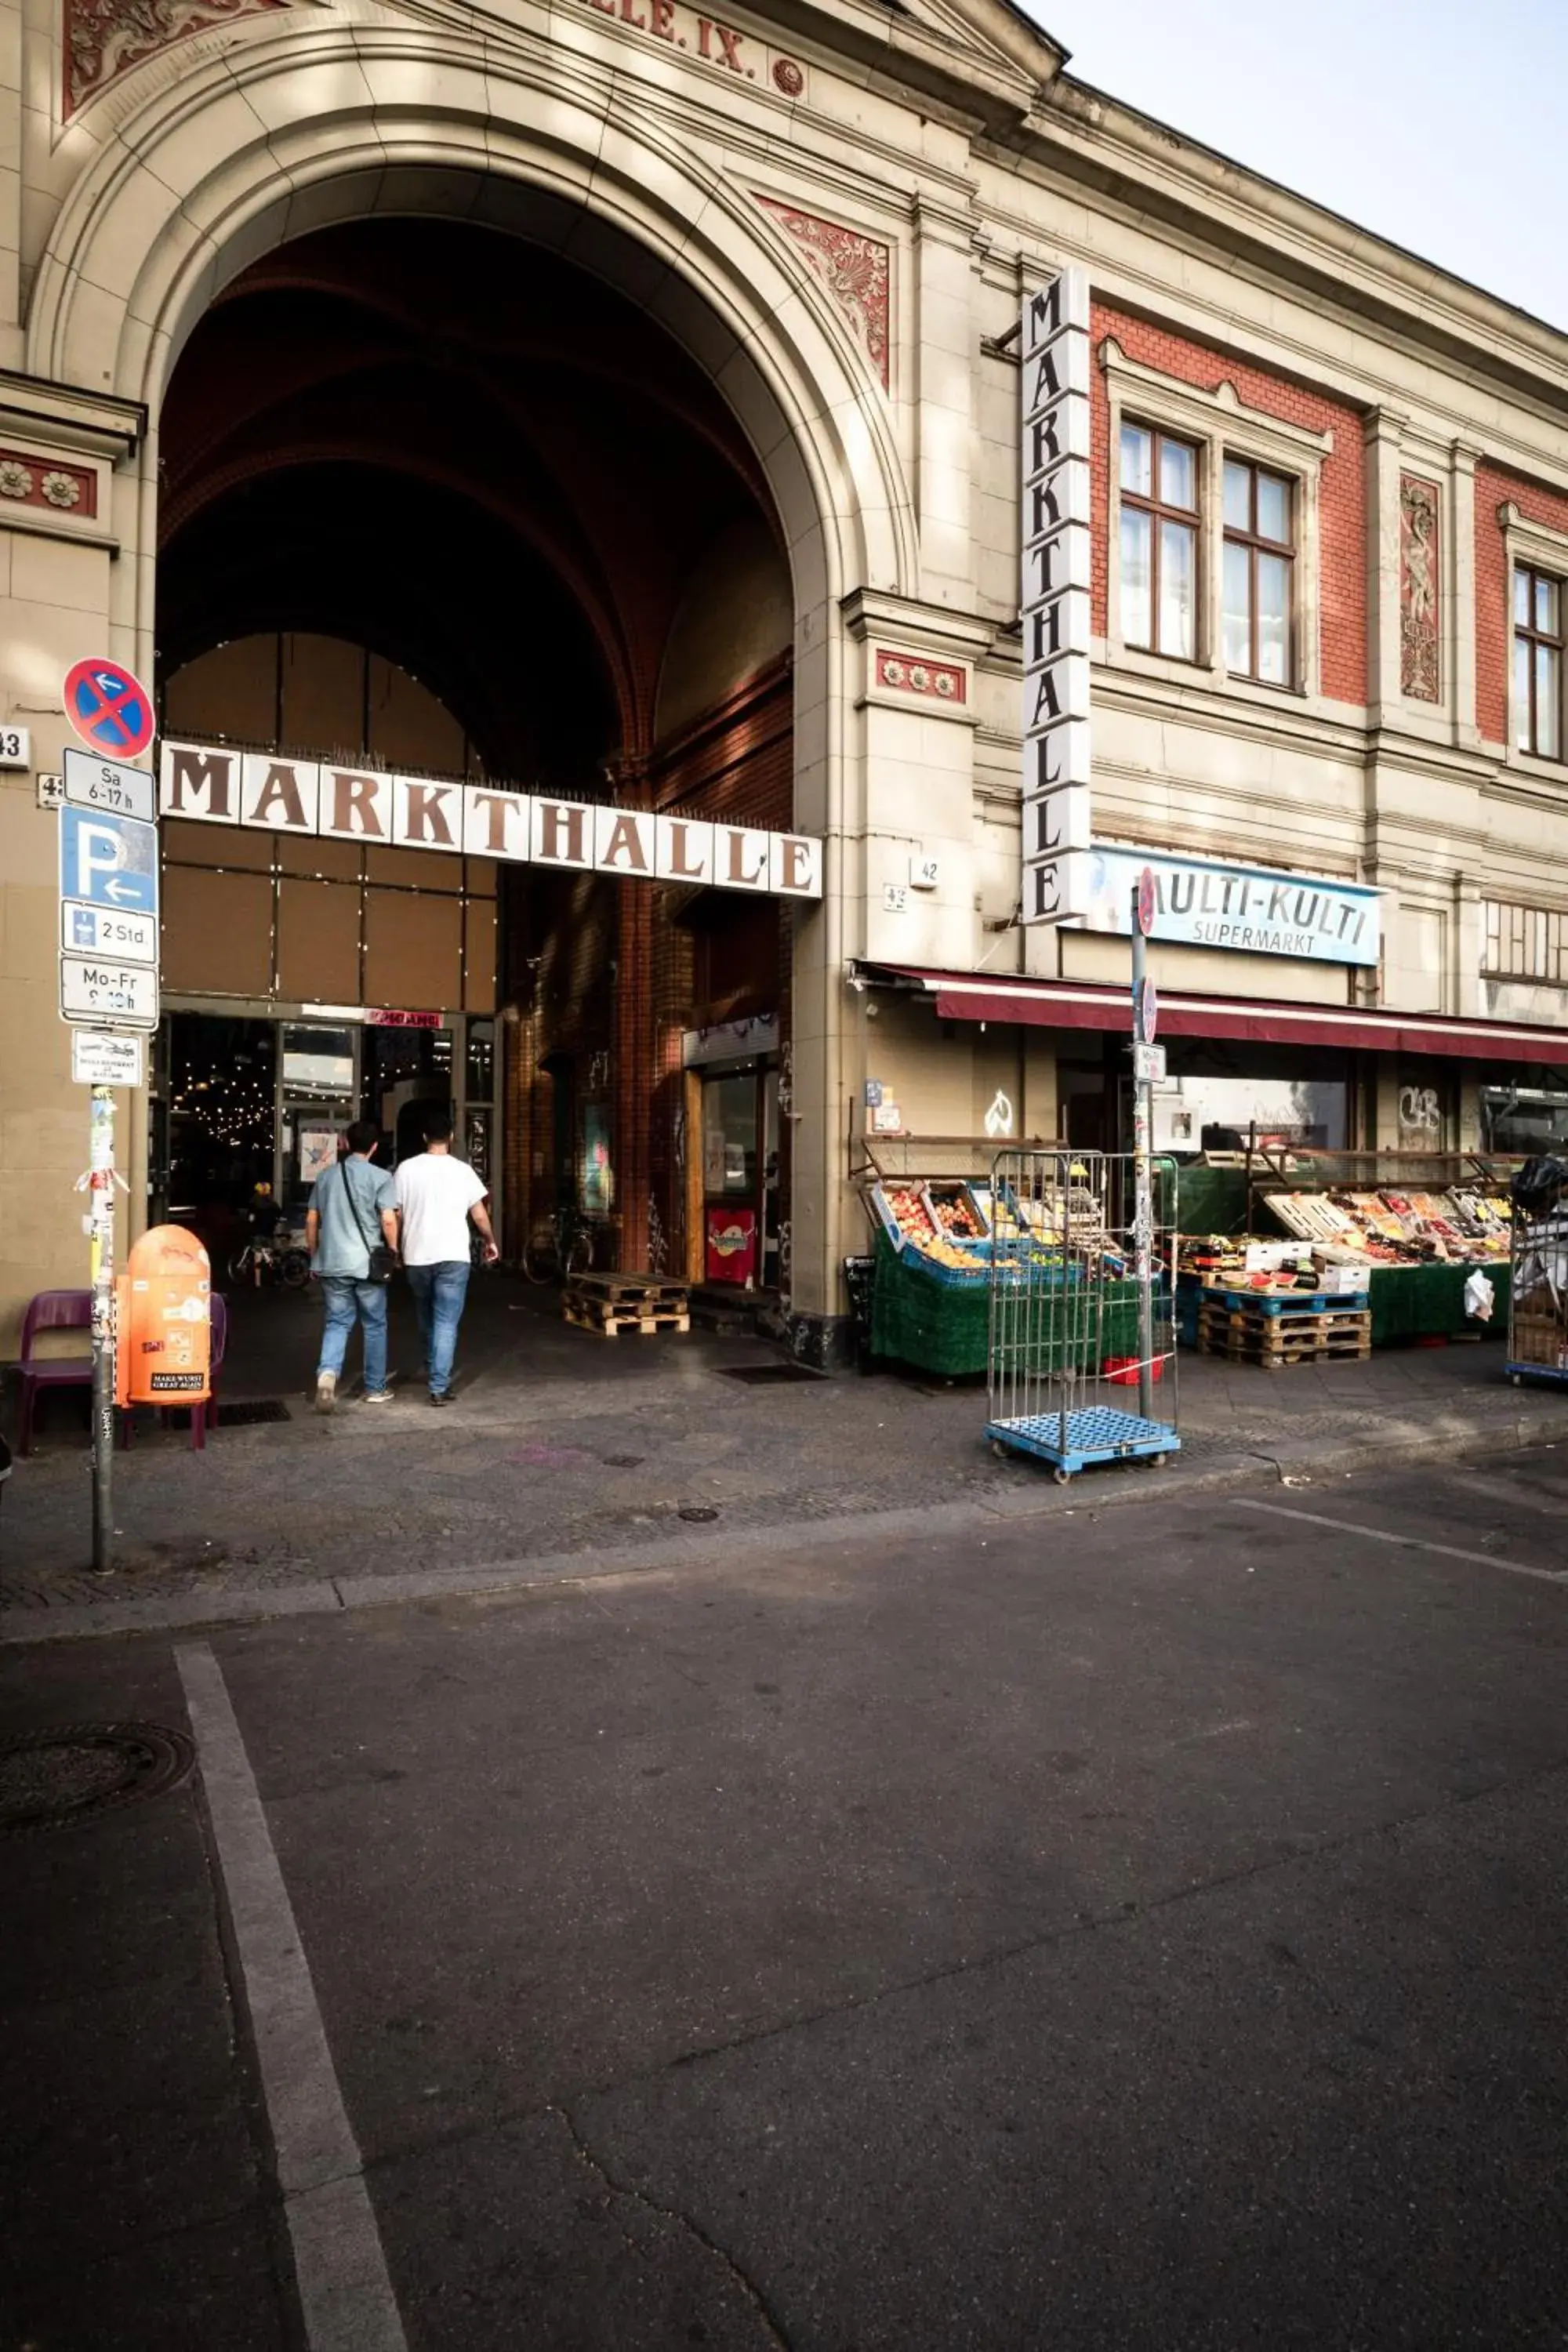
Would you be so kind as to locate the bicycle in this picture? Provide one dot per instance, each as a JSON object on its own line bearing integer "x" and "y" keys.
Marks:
{"x": 560, "y": 1245}
{"x": 279, "y": 1259}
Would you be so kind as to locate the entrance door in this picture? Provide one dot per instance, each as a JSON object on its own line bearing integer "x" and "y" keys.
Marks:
{"x": 733, "y": 1178}
{"x": 318, "y": 1097}
{"x": 407, "y": 1074}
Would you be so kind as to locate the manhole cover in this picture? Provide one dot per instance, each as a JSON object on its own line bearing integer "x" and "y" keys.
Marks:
{"x": 758, "y": 1376}
{"x": 51, "y": 1778}
{"x": 240, "y": 1416}
{"x": 623, "y": 1460}
{"x": 698, "y": 1512}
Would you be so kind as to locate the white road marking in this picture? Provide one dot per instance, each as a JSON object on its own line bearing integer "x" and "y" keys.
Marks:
{"x": 339, "y": 2266}
{"x": 1406, "y": 1543}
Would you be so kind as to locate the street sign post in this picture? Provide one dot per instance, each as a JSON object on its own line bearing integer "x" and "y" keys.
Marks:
{"x": 94, "y": 932}
{"x": 109, "y": 860}
{"x": 1145, "y": 1012}
{"x": 110, "y": 785}
{"x": 100, "y": 989}
{"x": 108, "y": 980}
{"x": 1146, "y": 902}
{"x": 109, "y": 707}
{"x": 98, "y": 1059}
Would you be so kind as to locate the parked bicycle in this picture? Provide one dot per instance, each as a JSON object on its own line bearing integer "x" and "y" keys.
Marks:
{"x": 276, "y": 1258}
{"x": 559, "y": 1246}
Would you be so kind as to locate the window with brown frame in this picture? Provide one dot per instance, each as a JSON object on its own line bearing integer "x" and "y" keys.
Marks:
{"x": 1159, "y": 575}
{"x": 1537, "y": 662}
{"x": 1259, "y": 567}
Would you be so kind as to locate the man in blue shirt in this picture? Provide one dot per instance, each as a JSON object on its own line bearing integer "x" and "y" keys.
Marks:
{"x": 351, "y": 1208}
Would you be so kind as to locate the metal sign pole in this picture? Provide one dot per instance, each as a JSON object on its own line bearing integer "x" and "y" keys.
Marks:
{"x": 100, "y": 1183}
{"x": 1142, "y": 1200}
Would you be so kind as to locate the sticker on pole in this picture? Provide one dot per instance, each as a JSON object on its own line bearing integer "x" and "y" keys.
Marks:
{"x": 1147, "y": 901}
{"x": 110, "y": 707}
{"x": 98, "y": 1059}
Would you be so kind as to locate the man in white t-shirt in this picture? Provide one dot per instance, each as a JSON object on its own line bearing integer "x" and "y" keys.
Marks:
{"x": 436, "y": 1196}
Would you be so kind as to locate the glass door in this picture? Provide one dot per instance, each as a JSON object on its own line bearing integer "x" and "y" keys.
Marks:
{"x": 318, "y": 1097}
{"x": 731, "y": 1178}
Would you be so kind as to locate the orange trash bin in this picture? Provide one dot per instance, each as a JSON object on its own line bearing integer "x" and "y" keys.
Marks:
{"x": 163, "y": 1351}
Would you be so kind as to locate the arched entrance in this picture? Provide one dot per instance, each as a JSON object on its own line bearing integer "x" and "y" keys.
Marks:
{"x": 297, "y": 125}
{"x": 436, "y": 503}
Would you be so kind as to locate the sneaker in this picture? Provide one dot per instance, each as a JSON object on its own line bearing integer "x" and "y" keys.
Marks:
{"x": 442, "y": 1398}
{"x": 326, "y": 1391}
{"x": 377, "y": 1396}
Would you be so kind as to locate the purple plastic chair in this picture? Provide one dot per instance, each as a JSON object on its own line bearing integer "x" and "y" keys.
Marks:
{"x": 52, "y": 1311}
{"x": 205, "y": 1416}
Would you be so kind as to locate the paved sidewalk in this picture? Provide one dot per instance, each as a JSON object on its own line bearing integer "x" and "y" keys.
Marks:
{"x": 563, "y": 1446}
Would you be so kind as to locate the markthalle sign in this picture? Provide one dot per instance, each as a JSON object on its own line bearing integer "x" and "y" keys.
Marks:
{"x": 1054, "y": 599}
{"x": 217, "y": 784}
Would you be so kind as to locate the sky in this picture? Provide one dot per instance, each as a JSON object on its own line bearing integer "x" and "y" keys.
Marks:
{"x": 1438, "y": 125}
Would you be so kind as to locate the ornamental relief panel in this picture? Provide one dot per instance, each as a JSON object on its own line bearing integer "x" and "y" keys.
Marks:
{"x": 855, "y": 270}
{"x": 28, "y": 480}
{"x": 909, "y": 674}
{"x": 104, "y": 38}
{"x": 1420, "y": 664}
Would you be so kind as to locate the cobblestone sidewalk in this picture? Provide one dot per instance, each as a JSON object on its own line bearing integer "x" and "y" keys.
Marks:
{"x": 563, "y": 1444}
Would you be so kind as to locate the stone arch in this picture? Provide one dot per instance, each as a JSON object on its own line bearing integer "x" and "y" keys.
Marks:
{"x": 291, "y": 129}
{"x": 202, "y": 161}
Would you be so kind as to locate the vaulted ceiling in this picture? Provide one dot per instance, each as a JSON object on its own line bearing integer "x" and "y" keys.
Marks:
{"x": 433, "y": 438}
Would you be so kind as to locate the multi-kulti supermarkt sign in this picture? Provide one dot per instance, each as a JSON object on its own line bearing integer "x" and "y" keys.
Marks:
{"x": 212, "y": 785}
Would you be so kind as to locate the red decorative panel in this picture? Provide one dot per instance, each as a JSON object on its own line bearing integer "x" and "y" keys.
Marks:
{"x": 106, "y": 38}
{"x": 1420, "y": 661}
{"x": 909, "y": 674}
{"x": 854, "y": 270}
{"x": 34, "y": 481}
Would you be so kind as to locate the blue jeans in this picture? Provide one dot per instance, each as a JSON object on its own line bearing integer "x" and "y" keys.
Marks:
{"x": 344, "y": 1298}
{"x": 438, "y": 1295}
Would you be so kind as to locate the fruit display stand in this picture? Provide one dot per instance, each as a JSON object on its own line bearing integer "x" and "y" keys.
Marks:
{"x": 931, "y": 1291}
{"x": 1415, "y": 1225}
{"x": 930, "y": 1297}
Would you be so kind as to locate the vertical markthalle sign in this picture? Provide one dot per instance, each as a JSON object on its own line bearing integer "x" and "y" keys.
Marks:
{"x": 1055, "y": 599}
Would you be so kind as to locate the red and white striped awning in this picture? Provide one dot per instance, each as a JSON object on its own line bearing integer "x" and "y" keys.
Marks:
{"x": 1093, "y": 1004}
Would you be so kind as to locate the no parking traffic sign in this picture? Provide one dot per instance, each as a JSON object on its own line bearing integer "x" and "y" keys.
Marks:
{"x": 110, "y": 707}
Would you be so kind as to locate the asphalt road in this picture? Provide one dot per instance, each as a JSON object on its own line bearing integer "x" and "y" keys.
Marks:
{"x": 1141, "y": 1930}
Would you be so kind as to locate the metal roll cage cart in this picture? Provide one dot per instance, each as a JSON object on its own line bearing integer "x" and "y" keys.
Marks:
{"x": 1081, "y": 1314}
{"x": 1538, "y": 1286}
{"x": 1083, "y": 1277}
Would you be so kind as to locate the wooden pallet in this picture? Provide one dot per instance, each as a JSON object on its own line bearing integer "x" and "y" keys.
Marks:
{"x": 652, "y": 1290}
{"x": 1273, "y": 1340}
{"x": 609, "y": 1304}
{"x": 609, "y": 1321}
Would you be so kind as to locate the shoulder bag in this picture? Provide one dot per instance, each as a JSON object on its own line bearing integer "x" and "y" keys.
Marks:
{"x": 382, "y": 1257}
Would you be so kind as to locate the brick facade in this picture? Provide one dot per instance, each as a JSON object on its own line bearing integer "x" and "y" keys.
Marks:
{"x": 1341, "y": 514}
{"x": 610, "y": 975}
{"x": 1494, "y": 617}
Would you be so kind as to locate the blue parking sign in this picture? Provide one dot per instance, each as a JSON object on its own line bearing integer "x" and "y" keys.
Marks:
{"x": 109, "y": 860}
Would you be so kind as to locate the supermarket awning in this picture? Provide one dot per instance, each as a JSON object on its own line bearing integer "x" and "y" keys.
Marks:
{"x": 1091, "y": 1004}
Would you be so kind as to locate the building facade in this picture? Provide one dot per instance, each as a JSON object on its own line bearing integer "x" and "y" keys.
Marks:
{"x": 621, "y": 407}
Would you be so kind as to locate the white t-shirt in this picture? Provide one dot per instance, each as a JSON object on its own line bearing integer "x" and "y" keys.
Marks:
{"x": 436, "y": 1192}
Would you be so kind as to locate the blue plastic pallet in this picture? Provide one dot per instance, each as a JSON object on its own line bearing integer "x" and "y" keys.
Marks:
{"x": 1517, "y": 1373}
{"x": 1292, "y": 1302}
{"x": 1095, "y": 1432}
